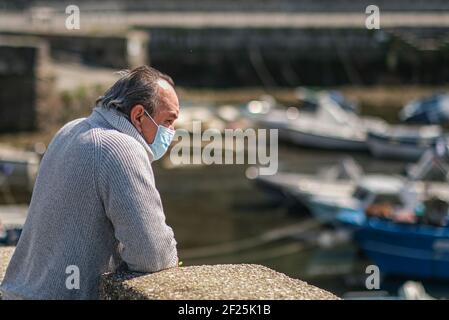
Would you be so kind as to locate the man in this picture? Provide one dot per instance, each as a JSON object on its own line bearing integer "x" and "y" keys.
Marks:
{"x": 95, "y": 206}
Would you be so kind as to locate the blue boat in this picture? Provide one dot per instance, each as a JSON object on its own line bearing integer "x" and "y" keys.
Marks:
{"x": 413, "y": 250}
{"x": 428, "y": 110}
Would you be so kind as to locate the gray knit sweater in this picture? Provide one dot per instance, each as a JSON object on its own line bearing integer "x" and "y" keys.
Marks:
{"x": 94, "y": 206}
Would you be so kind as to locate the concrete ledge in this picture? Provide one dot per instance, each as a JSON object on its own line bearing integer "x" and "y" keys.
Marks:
{"x": 5, "y": 256}
{"x": 211, "y": 282}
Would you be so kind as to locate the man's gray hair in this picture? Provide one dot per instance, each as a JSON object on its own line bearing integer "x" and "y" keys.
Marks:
{"x": 137, "y": 86}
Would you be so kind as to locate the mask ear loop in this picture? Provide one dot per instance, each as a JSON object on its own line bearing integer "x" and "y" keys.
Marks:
{"x": 157, "y": 125}
{"x": 148, "y": 115}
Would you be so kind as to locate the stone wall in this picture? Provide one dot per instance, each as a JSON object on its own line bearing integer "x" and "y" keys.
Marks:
{"x": 125, "y": 49}
{"x": 20, "y": 63}
{"x": 211, "y": 282}
{"x": 120, "y": 51}
{"x": 276, "y": 57}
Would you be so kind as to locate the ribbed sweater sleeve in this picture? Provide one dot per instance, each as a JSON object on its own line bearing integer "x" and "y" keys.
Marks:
{"x": 132, "y": 203}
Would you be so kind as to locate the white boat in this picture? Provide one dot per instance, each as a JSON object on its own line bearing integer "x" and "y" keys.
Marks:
{"x": 403, "y": 142}
{"x": 325, "y": 207}
{"x": 375, "y": 189}
{"x": 12, "y": 219}
{"x": 344, "y": 186}
{"x": 276, "y": 119}
{"x": 310, "y": 99}
{"x": 18, "y": 169}
{"x": 433, "y": 164}
{"x": 295, "y": 188}
{"x": 328, "y": 127}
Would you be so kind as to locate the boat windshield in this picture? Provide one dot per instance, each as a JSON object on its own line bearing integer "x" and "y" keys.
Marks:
{"x": 392, "y": 199}
{"x": 360, "y": 193}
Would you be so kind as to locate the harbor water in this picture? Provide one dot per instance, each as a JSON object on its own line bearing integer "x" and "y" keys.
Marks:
{"x": 220, "y": 216}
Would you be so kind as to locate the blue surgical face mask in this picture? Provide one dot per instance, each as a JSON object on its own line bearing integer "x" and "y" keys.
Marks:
{"x": 162, "y": 140}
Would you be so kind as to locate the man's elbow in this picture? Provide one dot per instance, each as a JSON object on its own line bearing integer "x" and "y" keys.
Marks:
{"x": 155, "y": 262}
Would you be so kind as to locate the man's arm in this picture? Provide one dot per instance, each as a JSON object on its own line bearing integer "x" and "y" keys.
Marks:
{"x": 132, "y": 203}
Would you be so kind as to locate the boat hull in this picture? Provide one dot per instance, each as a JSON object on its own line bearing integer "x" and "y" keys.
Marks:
{"x": 310, "y": 140}
{"x": 280, "y": 192}
{"x": 382, "y": 148}
{"x": 325, "y": 212}
{"x": 412, "y": 250}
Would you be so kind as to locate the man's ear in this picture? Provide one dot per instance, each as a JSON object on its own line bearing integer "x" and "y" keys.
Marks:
{"x": 136, "y": 115}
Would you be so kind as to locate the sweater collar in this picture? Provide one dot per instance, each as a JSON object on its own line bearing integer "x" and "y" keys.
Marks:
{"x": 119, "y": 122}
